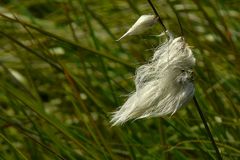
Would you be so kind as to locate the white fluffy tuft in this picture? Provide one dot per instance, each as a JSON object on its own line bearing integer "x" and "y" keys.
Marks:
{"x": 163, "y": 85}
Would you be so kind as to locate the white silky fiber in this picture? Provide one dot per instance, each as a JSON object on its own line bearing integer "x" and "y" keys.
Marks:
{"x": 163, "y": 85}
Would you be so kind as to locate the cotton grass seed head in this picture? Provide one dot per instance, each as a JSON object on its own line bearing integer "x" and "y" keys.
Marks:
{"x": 141, "y": 25}
{"x": 163, "y": 85}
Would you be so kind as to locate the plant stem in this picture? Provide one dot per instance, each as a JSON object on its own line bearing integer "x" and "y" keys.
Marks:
{"x": 207, "y": 128}
{"x": 156, "y": 13}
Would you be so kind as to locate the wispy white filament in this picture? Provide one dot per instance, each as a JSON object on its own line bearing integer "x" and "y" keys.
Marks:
{"x": 163, "y": 85}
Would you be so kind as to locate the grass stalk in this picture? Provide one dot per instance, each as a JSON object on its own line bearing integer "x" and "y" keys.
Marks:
{"x": 207, "y": 128}
{"x": 21, "y": 155}
{"x": 156, "y": 13}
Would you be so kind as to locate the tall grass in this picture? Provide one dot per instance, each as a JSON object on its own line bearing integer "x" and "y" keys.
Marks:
{"x": 63, "y": 73}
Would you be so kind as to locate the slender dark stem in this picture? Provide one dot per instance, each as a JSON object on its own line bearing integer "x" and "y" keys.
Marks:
{"x": 178, "y": 17}
{"x": 180, "y": 25}
{"x": 207, "y": 128}
{"x": 156, "y": 13}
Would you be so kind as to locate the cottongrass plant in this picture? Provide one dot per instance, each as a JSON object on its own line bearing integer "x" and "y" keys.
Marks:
{"x": 163, "y": 85}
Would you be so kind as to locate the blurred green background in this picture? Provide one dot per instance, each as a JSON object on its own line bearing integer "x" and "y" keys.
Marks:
{"x": 62, "y": 74}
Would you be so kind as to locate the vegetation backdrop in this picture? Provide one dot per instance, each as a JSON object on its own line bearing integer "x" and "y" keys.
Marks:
{"x": 62, "y": 74}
